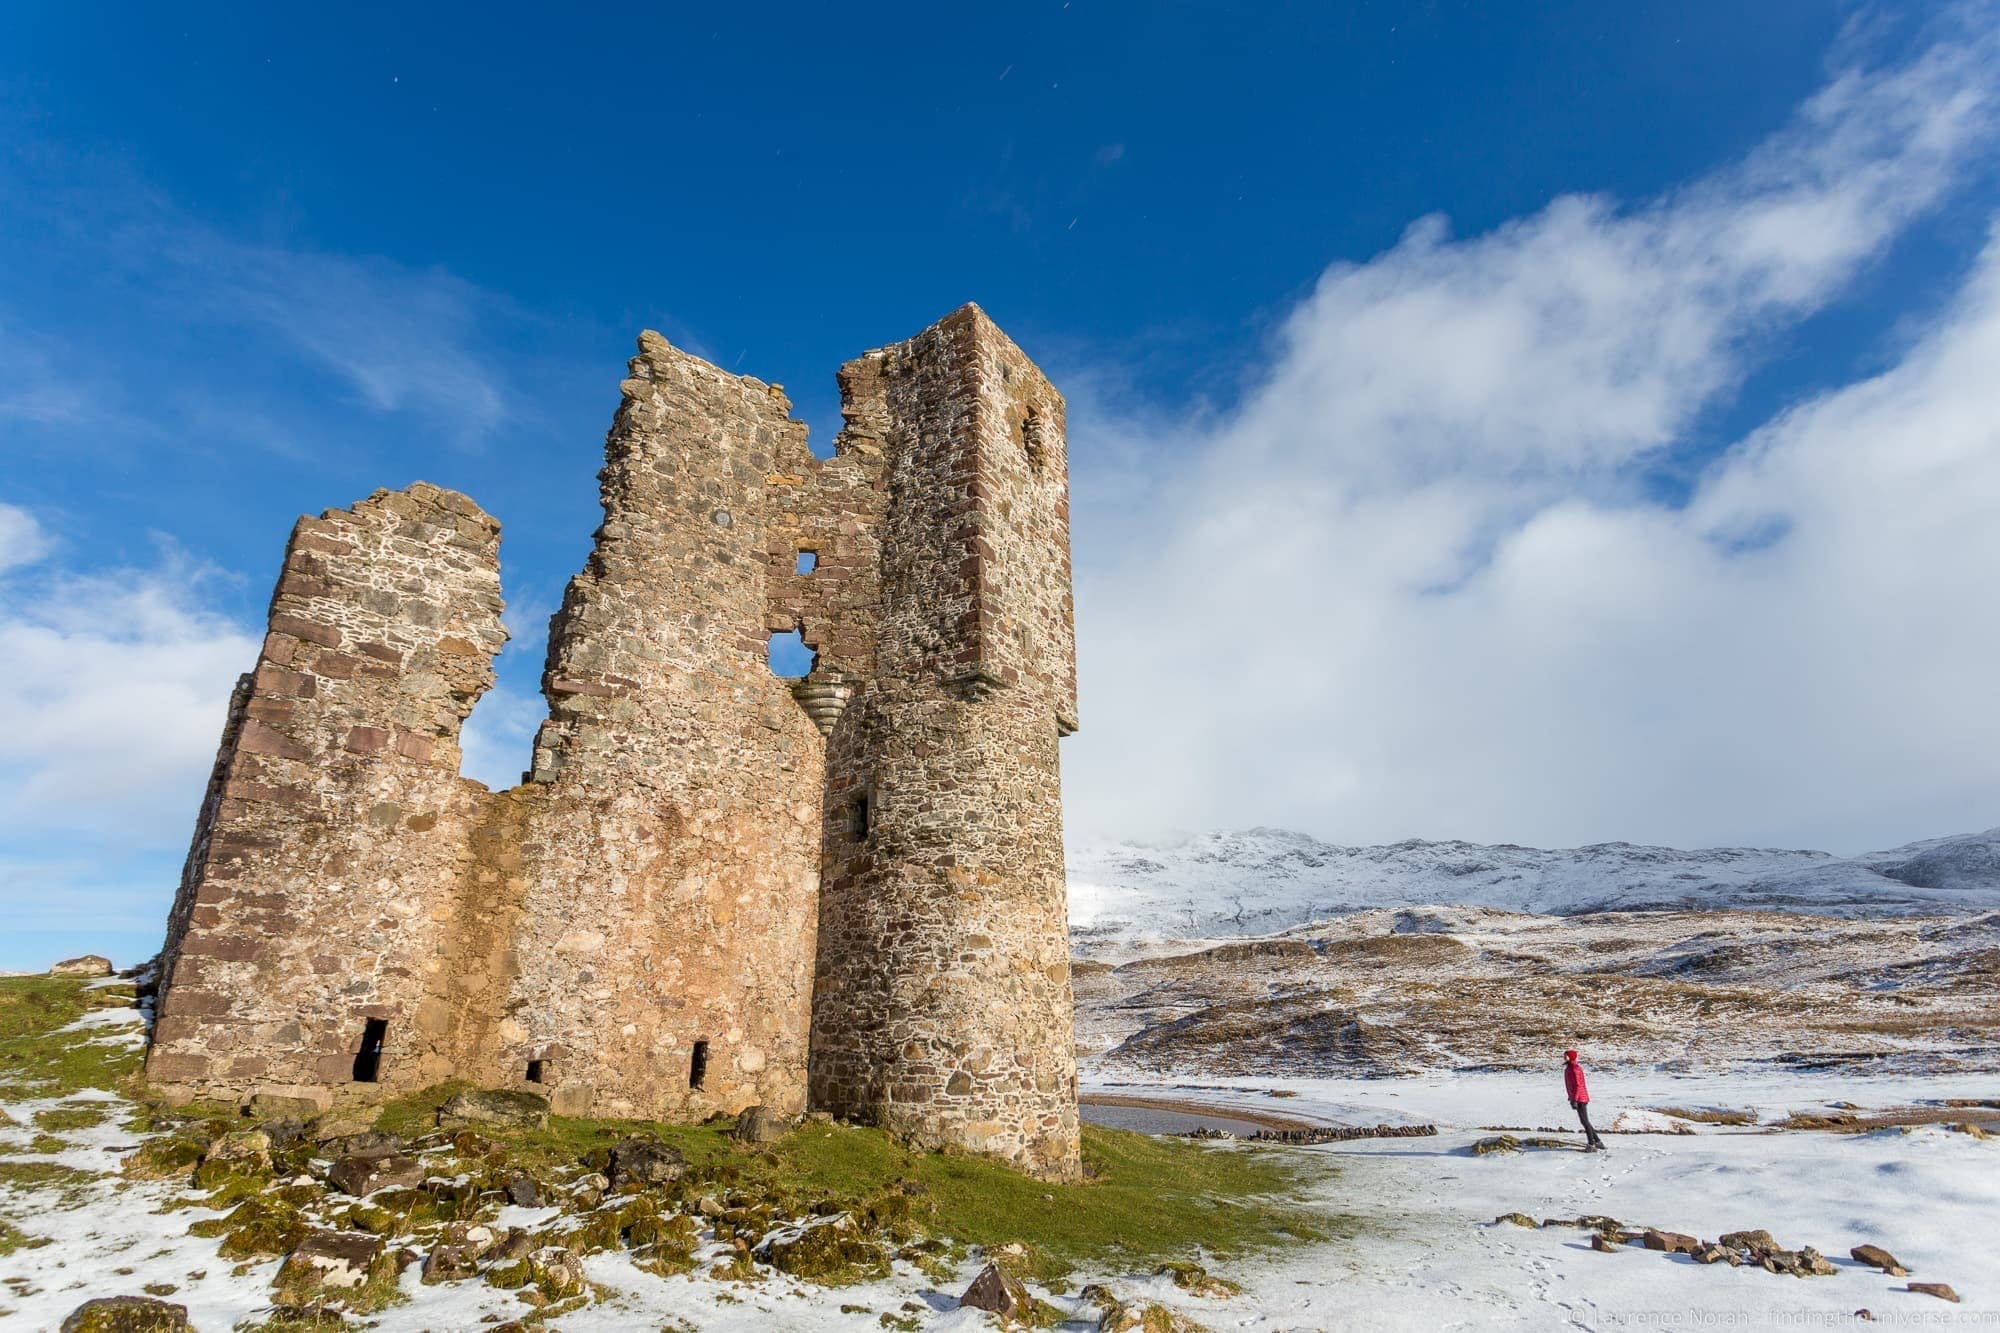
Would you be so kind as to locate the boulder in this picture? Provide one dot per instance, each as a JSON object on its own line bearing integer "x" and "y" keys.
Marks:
{"x": 1602, "y": 1243}
{"x": 1673, "y": 1242}
{"x": 328, "y": 1261}
{"x": 1877, "y": 1257}
{"x": 522, "y": 1191}
{"x": 89, "y": 965}
{"x": 363, "y": 1144}
{"x": 1757, "y": 1243}
{"x": 361, "y": 1174}
{"x": 458, "y": 1252}
{"x": 1802, "y": 1262}
{"x": 126, "y": 1314}
{"x": 449, "y": 1263}
{"x": 1976, "y": 1130}
{"x": 1196, "y": 1280}
{"x": 759, "y": 1124}
{"x": 284, "y": 1106}
{"x": 499, "y": 1107}
{"x": 998, "y": 1292}
{"x": 240, "y": 1150}
{"x": 645, "y": 1161}
{"x": 343, "y": 1122}
{"x": 1498, "y": 1143}
{"x": 555, "y": 1272}
{"x": 1941, "y": 1290}
{"x": 1718, "y": 1254}
{"x": 1518, "y": 1219}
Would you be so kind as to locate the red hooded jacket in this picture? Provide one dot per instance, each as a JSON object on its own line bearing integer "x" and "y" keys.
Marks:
{"x": 1579, "y": 1091}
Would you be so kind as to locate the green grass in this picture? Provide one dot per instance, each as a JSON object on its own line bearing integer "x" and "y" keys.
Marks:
{"x": 12, "y": 1238}
{"x": 58, "y": 1119}
{"x": 36, "y": 1060}
{"x": 1146, "y": 1200}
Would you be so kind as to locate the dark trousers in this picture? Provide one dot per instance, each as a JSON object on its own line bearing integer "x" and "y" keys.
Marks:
{"x": 1590, "y": 1139}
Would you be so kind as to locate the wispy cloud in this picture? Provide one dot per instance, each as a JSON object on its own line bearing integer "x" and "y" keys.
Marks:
{"x": 1412, "y": 584}
{"x": 404, "y": 339}
{"x": 395, "y": 337}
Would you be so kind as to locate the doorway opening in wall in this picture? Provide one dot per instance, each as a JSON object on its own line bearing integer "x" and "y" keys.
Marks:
{"x": 368, "y": 1060}
{"x": 698, "y": 1065}
{"x": 791, "y": 657}
{"x": 535, "y": 1072}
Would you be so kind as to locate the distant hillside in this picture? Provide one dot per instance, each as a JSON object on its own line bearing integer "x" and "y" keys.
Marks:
{"x": 1263, "y": 880}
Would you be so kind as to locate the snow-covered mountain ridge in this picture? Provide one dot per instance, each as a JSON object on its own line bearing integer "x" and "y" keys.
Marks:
{"x": 1262, "y": 880}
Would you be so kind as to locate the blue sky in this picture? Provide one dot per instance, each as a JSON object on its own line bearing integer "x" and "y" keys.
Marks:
{"x": 1383, "y": 325}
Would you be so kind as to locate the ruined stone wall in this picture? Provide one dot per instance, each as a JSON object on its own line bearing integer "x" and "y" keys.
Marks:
{"x": 942, "y": 1005}
{"x": 306, "y": 907}
{"x": 672, "y": 884}
{"x": 717, "y": 887}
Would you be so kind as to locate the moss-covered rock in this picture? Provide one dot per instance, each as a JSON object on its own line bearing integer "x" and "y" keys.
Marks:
{"x": 1195, "y": 1279}
{"x": 260, "y": 1225}
{"x": 126, "y": 1314}
{"x": 832, "y": 1252}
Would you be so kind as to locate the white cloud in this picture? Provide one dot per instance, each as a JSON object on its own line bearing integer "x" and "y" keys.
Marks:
{"x": 22, "y": 540}
{"x": 116, "y": 686}
{"x": 1412, "y": 585}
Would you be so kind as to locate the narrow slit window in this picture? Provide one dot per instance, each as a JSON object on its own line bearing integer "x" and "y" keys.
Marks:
{"x": 698, "y": 1065}
{"x": 857, "y": 816}
{"x": 808, "y": 562}
{"x": 368, "y": 1060}
{"x": 536, "y": 1071}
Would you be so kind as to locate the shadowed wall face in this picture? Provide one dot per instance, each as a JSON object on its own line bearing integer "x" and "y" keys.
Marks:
{"x": 639, "y": 929}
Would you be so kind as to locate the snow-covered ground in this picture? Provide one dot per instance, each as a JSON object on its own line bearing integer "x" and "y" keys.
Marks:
{"x": 1429, "y": 1256}
{"x": 1423, "y": 1253}
{"x": 1265, "y": 880}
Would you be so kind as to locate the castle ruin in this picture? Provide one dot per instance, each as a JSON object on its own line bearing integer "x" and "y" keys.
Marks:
{"x": 716, "y": 887}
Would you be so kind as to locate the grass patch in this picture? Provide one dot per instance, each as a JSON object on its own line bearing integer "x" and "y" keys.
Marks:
{"x": 58, "y": 1119}
{"x": 34, "y": 1175}
{"x": 37, "y": 1059}
{"x": 1146, "y": 1199}
{"x": 12, "y": 1238}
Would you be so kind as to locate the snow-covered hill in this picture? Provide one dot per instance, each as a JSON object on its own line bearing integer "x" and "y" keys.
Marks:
{"x": 1264, "y": 880}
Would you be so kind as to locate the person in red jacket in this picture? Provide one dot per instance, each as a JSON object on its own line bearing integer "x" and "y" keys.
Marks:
{"x": 1579, "y": 1098}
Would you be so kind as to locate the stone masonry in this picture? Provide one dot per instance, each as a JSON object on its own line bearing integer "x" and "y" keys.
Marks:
{"x": 716, "y": 887}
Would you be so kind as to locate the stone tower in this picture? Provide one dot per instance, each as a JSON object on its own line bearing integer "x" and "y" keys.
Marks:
{"x": 715, "y": 886}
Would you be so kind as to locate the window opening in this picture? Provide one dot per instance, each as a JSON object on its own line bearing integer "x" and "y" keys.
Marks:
{"x": 368, "y": 1061}
{"x": 790, "y": 656}
{"x": 535, "y": 1072}
{"x": 808, "y": 562}
{"x": 857, "y": 816}
{"x": 698, "y": 1066}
